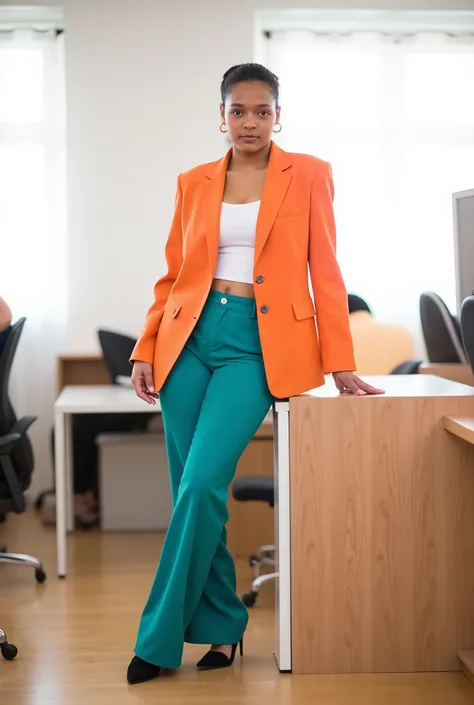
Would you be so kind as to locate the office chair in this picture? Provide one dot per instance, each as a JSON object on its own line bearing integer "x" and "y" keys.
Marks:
{"x": 409, "y": 367}
{"x": 16, "y": 453}
{"x": 117, "y": 350}
{"x": 441, "y": 330}
{"x": 467, "y": 328}
{"x": 257, "y": 488}
{"x": 9, "y": 651}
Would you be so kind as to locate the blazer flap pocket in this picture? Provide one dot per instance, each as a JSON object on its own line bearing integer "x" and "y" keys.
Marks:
{"x": 304, "y": 309}
{"x": 292, "y": 211}
{"x": 172, "y": 306}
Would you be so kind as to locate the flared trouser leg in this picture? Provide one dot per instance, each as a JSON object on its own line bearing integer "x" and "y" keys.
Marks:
{"x": 209, "y": 415}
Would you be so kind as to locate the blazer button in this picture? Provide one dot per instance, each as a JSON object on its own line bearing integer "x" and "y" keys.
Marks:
{"x": 264, "y": 308}
{"x": 260, "y": 279}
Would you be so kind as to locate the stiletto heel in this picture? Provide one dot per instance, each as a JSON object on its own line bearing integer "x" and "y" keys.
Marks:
{"x": 216, "y": 659}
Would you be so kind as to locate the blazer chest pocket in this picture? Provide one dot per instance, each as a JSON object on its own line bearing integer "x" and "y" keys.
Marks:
{"x": 293, "y": 211}
{"x": 172, "y": 307}
{"x": 304, "y": 309}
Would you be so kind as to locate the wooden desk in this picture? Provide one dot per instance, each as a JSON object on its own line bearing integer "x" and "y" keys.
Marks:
{"x": 381, "y": 535}
{"x": 455, "y": 372}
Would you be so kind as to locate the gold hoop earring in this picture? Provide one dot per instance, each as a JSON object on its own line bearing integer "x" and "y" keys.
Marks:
{"x": 221, "y": 126}
{"x": 277, "y": 124}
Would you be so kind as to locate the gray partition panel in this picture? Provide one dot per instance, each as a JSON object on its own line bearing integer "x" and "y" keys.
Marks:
{"x": 463, "y": 213}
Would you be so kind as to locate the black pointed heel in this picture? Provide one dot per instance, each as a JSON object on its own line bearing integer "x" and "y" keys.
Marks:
{"x": 216, "y": 659}
{"x": 140, "y": 671}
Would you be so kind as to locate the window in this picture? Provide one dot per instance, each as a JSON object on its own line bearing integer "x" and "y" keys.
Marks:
{"x": 32, "y": 218}
{"x": 394, "y": 114}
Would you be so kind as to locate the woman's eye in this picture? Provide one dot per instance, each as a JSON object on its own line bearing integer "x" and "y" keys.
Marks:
{"x": 264, "y": 113}
{"x": 237, "y": 112}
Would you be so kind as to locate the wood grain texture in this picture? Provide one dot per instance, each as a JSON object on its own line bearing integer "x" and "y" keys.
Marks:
{"x": 455, "y": 372}
{"x": 467, "y": 661}
{"x": 87, "y": 368}
{"x": 462, "y": 428}
{"x": 75, "y": 638}
{"x": 382, "y": 530}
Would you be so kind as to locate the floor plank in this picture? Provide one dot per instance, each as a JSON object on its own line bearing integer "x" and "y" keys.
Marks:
{"x": 75, "y": 638}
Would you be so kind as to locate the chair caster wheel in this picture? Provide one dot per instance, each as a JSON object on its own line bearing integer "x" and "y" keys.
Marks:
{"x": 9, "y": 651}
{"x": 40, "y": 575}
{"x": 253, "y": 560}
{"x": 250, "y": 598}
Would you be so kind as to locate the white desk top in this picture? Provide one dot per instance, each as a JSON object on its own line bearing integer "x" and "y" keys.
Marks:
{"x": 407, "y": 386}
{"x": 107, "y": 399}
{"x": 102, "y": 399}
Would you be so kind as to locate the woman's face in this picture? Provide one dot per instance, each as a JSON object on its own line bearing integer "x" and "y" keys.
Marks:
{"x": 250, "y": 114}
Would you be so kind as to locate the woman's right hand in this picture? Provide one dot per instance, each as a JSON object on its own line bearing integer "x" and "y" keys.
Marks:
{"x": 142, "y": 380}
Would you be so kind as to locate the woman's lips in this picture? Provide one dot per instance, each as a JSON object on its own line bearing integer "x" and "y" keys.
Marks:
{"x": 249, "y": 138}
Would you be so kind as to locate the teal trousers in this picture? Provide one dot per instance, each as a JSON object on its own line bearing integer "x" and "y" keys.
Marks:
{"x": 214, "y": 399}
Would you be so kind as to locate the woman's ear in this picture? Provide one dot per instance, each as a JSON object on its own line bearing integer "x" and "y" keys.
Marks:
{"x": 278, "y": 111}
{"x": 222, "y": 111}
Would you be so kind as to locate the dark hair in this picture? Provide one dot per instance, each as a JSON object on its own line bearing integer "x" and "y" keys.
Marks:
{"x": 357, "y": 304}
{"x": 249, "y": 72}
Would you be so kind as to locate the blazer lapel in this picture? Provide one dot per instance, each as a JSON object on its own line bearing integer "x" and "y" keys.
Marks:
{"x": 211, "y": 201}
{"x": 278, "y": 179}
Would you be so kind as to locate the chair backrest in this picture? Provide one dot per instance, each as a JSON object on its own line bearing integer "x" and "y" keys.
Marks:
{"x": 409, "y": 367}
{"x": 467, "y": 328}
{"x": 116, "y": 349}
{"x": 22, "y": 455}
{"x": 441, "y": 330}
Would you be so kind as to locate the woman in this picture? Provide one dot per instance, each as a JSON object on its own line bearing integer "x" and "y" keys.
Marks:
{"x": 232, "y": 328}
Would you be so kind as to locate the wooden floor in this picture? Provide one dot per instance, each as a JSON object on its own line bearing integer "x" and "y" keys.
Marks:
{"x": 75, "y": 638}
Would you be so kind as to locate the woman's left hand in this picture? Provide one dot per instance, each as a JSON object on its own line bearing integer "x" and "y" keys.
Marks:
{"x": 349, "y": 383}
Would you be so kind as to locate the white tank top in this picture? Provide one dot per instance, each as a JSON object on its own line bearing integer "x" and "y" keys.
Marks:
{"x": 237, "y": 242}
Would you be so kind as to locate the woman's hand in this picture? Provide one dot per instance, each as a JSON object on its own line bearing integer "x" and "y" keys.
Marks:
{"x": 348, "y": 382}
{"x": 142, "y": 380}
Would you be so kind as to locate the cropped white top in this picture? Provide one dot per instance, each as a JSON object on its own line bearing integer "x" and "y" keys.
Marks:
{"x": 237, "y": 242}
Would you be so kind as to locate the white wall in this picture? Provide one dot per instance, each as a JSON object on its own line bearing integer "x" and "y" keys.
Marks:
{"x": 142, "y": 100}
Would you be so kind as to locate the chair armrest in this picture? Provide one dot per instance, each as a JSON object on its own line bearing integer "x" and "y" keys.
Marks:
{"x": 22, "y": 425}
{"x": 8, "y": 442}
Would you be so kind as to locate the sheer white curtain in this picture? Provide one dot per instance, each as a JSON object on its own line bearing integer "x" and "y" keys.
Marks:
{"x": 32, "y": 220}
{"x": 395, "y": 117}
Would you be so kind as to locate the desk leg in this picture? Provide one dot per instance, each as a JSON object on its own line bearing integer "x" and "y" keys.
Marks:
{"x": 60, "y": 471}
{"x": 69, "y": 472}
{"x": 281, "y": 460}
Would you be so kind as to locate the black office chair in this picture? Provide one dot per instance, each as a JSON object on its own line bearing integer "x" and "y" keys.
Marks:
{"x": 16, "y": 453}
{"x": 409, "y": 367}
{"x": 441, "y": 330}
{"x": 467, "y": 328}
{"x": 117, "y": 350}
{"x": 257, "y": 488}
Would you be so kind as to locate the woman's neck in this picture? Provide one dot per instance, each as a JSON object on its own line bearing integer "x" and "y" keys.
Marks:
{"x": 240, "y": 161}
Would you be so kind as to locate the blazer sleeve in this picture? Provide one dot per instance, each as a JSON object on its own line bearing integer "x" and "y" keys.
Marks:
{"x": 144, "y": 349}
{"x": 332, "y": 314}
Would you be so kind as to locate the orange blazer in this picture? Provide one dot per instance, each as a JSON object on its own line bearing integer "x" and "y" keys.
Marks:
{"x": 295, "y": 229}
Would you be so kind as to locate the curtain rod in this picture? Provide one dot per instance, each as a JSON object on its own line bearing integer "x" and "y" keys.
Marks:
{"x": 385, "y": 33}
{"x": 11, "y": 30}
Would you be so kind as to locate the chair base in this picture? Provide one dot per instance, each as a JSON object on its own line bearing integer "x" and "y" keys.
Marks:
{"x": 25, "y": 559}
{"x": 264, "y": 556}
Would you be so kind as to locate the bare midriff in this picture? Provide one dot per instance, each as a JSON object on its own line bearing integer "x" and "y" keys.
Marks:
{"x": 233, "y": 288}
